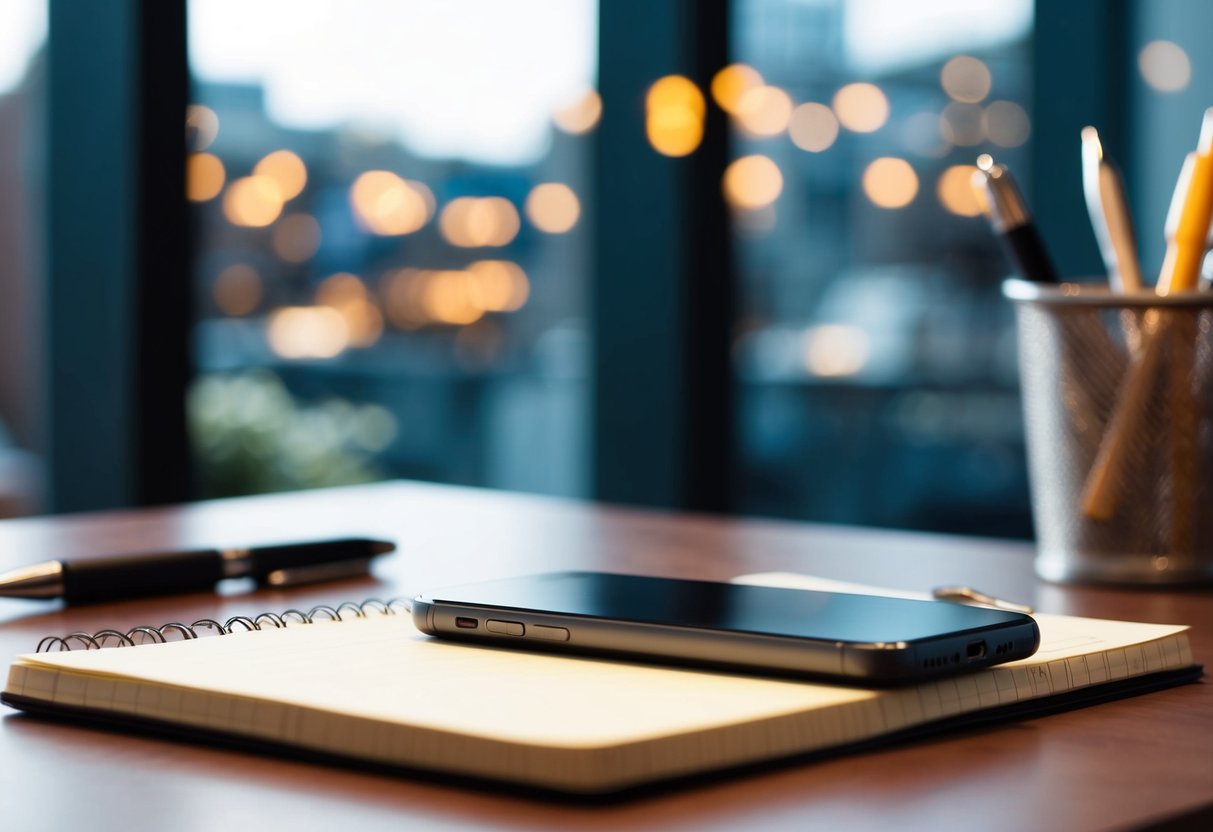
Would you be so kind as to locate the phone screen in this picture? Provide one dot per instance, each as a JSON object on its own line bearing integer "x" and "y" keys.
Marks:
{"x": 705, "y": 605}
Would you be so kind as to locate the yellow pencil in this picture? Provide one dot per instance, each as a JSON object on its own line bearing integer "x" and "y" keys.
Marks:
{"x": 1186, "y": 246}
{"x": 1187, "y": 228}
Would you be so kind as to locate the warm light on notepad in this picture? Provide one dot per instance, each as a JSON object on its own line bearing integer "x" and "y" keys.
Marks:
{"x": 376, "y": 690}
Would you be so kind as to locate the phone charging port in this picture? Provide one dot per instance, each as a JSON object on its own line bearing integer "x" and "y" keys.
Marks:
{"x": 975, "y": 650}
{"x": 464, "y": 623}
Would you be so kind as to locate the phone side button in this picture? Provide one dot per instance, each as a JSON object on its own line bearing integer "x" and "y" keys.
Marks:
{"x": 508, "y": 628}
{"x": 549, "y": 633}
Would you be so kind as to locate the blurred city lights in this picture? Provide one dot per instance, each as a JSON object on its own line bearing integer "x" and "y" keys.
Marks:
{"x": 730, "y": 83}
{"x": 890, "y": 182}
{"x": 813, "y": 127}
{"x": 346, "y": 294}
{"x": 475, "y": 222}
{"x": 1165, "y": 66}
{"x": 962, "y": 124}
{"x": 285, "y": 168}
{"x": 252, "y": 201}
{"x": 1006, "y": 124}
{"x": 763, "y": 111}
{"x": 500, "y": 286}
{"x": 955, "y": 191}
{"x": 338, "y": 289}
{"x": 966, "y": 79}
{"x": 307, "y": 332}
{"x": 204, "y": 177}
{"x": 579, "y": 115}
{"x": 752, "y": 182}
{"x": 296, "y": 238}
{"x": 401, "y": 291}
{"x": 427, "y": 196}
{"x": 237, "y": 290}
{"x": 201, "y": 127}
{"x": 552, "y": 207}
{"x": 674, "y": 112}
{"x": 387, "y": 205}
{"x": 450, "y": 297}
{"x": 416, "y": 297}
{"x": 834, "y": 350}
{"x": 862, "y": 108}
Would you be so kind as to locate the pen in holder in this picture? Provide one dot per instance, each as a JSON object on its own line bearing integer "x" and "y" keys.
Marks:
{"x": 1118, "y": 406}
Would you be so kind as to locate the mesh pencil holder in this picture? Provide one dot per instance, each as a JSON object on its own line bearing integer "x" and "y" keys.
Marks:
{"x": 1118, "y": 406}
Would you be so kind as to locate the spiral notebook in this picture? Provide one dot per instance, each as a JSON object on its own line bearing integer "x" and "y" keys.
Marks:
{"x": 371, "y": 688}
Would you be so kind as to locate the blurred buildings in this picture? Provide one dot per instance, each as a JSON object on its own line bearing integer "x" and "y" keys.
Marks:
{"x": 874, "y": 358}
{"x": 392, "y": 207}
{"x": 442, "y": 300}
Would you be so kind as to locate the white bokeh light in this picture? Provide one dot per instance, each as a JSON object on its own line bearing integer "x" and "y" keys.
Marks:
{"x": 474, "y": 79}
{"x": 22, "y": 33}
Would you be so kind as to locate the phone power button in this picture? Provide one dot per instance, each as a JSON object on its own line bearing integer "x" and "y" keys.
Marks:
{"x": 549, "y": 633}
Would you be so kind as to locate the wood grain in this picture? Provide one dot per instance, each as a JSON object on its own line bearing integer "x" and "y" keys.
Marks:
{"x": 1122, "y": 764}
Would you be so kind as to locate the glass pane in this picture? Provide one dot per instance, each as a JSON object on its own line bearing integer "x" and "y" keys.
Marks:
{"x": 392, "y": 248}
{"x": 22, "y": 112}
{"x": 875, "y": 359}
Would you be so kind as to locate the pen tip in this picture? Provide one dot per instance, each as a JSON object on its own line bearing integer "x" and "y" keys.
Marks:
{"x": 382, "y": 547}
{"x": 985, "y": 161}
{"x": 979, "y": 183}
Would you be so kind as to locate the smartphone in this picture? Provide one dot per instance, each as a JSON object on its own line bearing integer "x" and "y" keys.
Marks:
{"x": 826, "y": 635}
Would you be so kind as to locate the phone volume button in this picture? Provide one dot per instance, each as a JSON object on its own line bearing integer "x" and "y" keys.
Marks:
{"x": 507, "y": 628}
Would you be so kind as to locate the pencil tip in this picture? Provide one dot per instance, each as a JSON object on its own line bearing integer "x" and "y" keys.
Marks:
{"x": 1205, "y": 144}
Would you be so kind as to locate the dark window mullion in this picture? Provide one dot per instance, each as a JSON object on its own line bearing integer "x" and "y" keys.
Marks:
{"x": 117, "y": 324}
{"x": 662, "y": 298}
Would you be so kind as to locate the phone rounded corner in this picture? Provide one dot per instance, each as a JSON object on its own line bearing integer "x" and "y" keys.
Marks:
{"x": 1035, "y": 629}
{"x": 423, "y": 616}
{"x": 878, "y": 663}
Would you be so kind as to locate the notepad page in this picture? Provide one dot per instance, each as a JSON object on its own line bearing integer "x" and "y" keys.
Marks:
{"x": 378, "y": 690}
{"x": 384, "y": 669}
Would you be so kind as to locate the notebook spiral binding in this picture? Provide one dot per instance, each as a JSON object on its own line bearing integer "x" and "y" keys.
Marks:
{"x": 176, "y": 631}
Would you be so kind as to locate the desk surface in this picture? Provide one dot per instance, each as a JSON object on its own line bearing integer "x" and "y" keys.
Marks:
{"x": 1122, "y": 764}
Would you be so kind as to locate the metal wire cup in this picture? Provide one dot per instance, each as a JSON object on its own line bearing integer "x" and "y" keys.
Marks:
{"x": 1118, "y": 407}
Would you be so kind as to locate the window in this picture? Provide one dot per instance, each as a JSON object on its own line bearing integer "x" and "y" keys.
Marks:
{"x": 875, "y": 360}
{"x": 391, "y": 204}
{"x": 398, "y": 209}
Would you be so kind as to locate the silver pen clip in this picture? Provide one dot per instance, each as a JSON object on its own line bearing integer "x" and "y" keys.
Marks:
{"x": 968, "y": 595}
{"x": 298, "y": 575}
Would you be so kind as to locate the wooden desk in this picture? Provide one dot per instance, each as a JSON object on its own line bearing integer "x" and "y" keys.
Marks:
{"x": 1123, "y": 764}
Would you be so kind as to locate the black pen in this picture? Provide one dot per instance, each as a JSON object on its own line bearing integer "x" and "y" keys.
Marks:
{"x": 165, "y": 573}
{"x": 1009, "y": 216}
